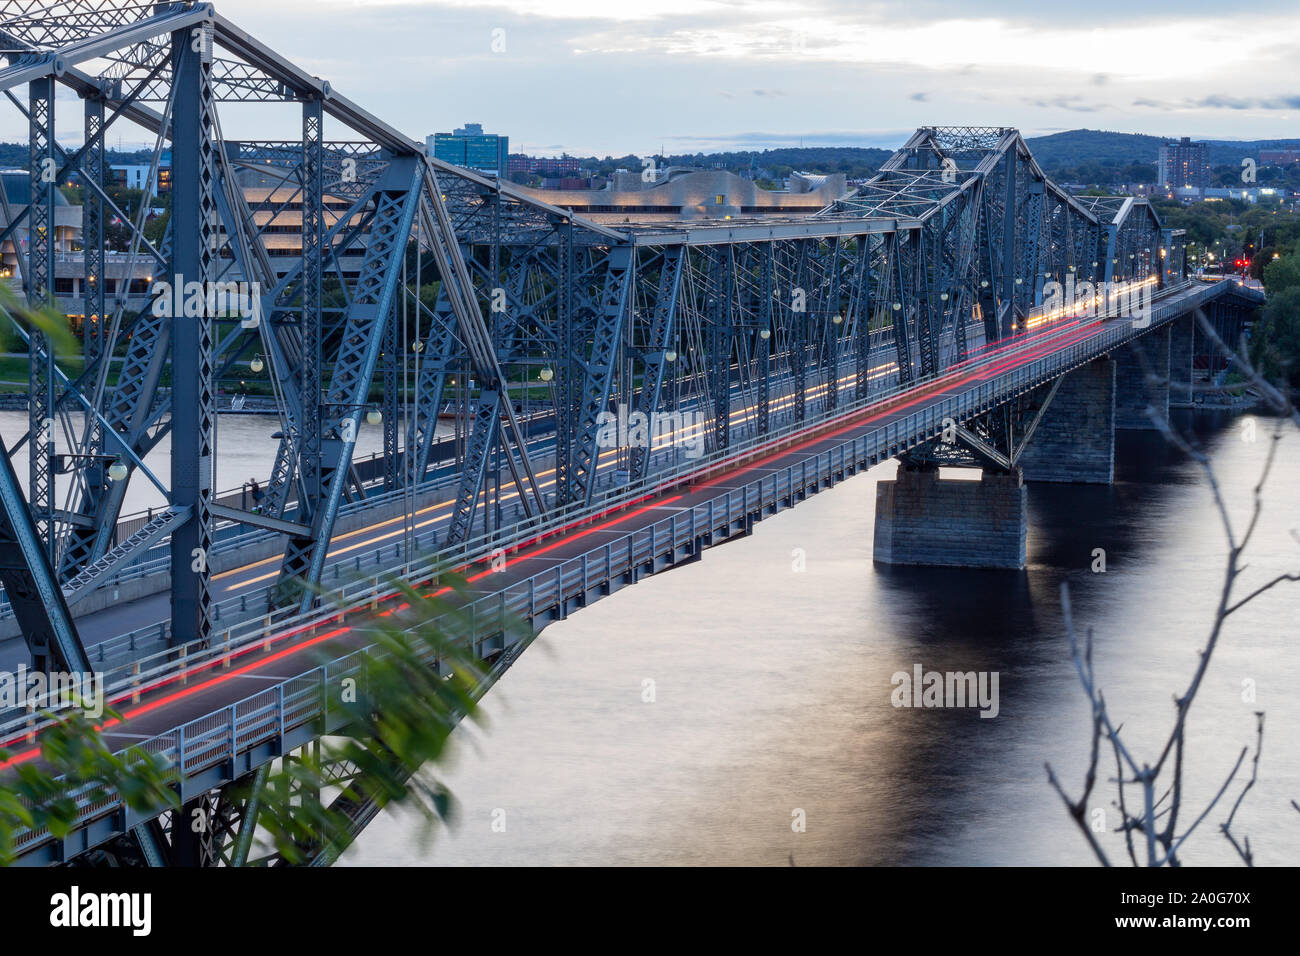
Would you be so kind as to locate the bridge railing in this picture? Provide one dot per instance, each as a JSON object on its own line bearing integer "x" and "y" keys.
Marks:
{"x": 216, "y": 739}
{"x": 126, "y": 668}
{"x": 135, "y": 671}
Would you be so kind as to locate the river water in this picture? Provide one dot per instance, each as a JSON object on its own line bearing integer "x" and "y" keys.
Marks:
{"x": 245, "y": 449}
{"x": 772, "y": 689}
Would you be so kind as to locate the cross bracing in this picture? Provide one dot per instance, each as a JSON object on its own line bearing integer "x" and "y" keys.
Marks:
{"x": 416, "y": 291}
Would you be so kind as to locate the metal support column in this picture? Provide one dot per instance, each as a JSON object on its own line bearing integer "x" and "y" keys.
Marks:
{"x": 40, "y": 292}
{"x": 194, "y": 218}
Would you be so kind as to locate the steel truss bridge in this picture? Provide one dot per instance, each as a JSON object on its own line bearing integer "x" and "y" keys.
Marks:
{"x": 802, "y": 349}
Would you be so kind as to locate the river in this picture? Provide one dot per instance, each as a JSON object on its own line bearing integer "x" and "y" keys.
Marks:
{"x": 245, "y": 449}
{"x": 772, "y": 689}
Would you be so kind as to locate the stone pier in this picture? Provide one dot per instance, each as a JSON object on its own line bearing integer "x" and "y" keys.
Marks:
{"x": 1075, "y": 439}
{"x": 1182, "y": 345}
{"x": 1142, "y": 379}
{"x": 921, "y": 519}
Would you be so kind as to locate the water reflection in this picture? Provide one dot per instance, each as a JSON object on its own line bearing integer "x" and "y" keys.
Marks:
{"x": 771, "y": 689}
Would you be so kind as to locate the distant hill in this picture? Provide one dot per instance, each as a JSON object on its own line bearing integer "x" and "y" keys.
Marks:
{"x": 1079, "y": 146}
{"x": 1088, "y": 154}
{"x": 854, "y": 161}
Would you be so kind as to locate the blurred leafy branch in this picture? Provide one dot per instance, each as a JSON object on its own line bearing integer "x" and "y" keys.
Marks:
{"x": 397, "y": 708}
{"x": 47, "y": 320}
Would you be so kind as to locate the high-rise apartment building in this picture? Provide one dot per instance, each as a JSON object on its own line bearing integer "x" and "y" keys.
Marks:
{"x": 1184, "y": 164}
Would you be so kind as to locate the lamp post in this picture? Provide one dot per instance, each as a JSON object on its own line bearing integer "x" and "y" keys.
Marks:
{"x": 116, "y": 471}
{"x": 373, "y": 415}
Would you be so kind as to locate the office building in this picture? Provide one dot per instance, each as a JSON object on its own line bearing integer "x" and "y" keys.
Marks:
{"x": 469, "y": 146}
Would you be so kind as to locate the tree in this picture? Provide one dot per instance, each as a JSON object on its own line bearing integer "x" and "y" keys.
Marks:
{"x": 1275, "y": 341}
{"x": 1282, "y": 274}
{"x": 1156, "y": 824}
{"x": 416, "y": 681}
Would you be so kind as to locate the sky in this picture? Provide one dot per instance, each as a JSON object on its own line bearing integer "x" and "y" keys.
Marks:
{"x": 610, "y": 77}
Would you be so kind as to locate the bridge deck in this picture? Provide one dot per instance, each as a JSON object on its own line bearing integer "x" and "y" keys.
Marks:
{"x": 856, "y": 439}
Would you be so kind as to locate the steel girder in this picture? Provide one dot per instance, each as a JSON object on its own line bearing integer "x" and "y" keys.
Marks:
{"x": 656, "y": 348}
{"x": 796, "y": 316}
{"x": 858, "y": 318}
{"x": 40, "y": 285}
{"x": 600, "y": 333}
{"x": 308, "y": 438}
{"x": 194, "y": 243}
{"x": 354, "y": 364}
{"x": 30, "y": 584}
{"x": 433, "y": 368}
{"x": 1024, "y": 230}
{"x": 294, "y": 338}
{"x": 766, "y": 316}
{"x": 482, "y": 360}
{"x": 720, "y": 313}
{"x": 994, "y": 440}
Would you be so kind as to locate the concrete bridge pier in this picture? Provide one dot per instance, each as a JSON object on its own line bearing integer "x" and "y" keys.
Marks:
{"x": 1142, "y": 379}
{"x": 1075, "y": 440}
{"x": 1182, "y": 352}
{"x": 922, "y": 519}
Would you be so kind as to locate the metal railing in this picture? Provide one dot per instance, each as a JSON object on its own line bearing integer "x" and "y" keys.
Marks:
{"x": 529, "y": 530}
{"x": 216, "y": 738}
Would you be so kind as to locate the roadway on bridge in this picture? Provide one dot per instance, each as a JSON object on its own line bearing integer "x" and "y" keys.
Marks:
{"x": 353, "y": 551}
{"x": 288, "y": 654}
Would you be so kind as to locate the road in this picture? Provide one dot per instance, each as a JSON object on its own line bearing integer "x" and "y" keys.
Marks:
{"x": 286, "y": 654}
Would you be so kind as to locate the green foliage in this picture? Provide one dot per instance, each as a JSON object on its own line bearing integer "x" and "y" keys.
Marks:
{"x": 400, "y": 712}
{"x": 1275, "y": 340}
{"x": 46, "y": 319}
{"x": 397, "y": 708}
{"x": 75, "y": 761}
{"x": 1231, "y": 228}
{"x": 1282, "y": 274}
{"x": 156, "y": 227}
{"x": 429, "y": 295}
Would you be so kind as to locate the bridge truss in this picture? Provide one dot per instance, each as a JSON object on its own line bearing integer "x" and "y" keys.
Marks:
{"x": 422, "y": 286}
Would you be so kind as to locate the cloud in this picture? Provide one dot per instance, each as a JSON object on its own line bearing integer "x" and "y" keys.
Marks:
{"x": 1222, "y": 101}
{"x": 1073, "y": 103}
{"x": 880, "y": 139}
{"x": 1219, "y": 101}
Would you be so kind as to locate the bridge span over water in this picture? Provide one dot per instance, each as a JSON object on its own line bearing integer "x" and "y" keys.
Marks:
{"x": 916, "y": 319}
